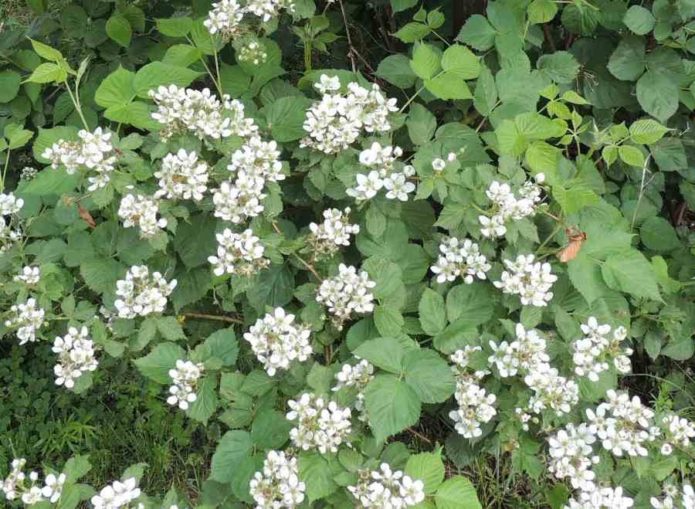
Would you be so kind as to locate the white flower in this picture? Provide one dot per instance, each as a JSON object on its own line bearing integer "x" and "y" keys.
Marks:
{"x": 571, "y": 455}
{"x": 10, "y": 204}
{"x": 76, "y": 356}
{"x": 200, "y": 112}
{"x": 600, "y": 498}
{"x": 185, "y": 377}
{"x": 224, "y": 18}
{"x": 278, "y": 484}
{"x": 387, "y": 489}
{"x": 182, "y": 176}
{"x": 142, "y": 293}
{"x": 319, "y": 424}
{"x": 508, "y": 206}
{"x": 327, "y": 84}
{"x": 30, "y": 275}
{"x": 528, "y": 279}
{"x": 367, "y": 186}
{"x": 53, "y": 487}
{"x": 238, "y": 253}
{"x": 397, "y": 187}
{"x": 258, "y": 158}
{"x": 337, "y": 120}
{"x": 239, "y": 200}
{"x": 592, "y": 354}
{"x": 28, "y": 318}
{"x": 252, "y": 52}
{"x": 460, "y": 258}
{"x": 93, "y": 151}
{"x": 438, "y": 165}
{"x": 357, "y": 377}
{"x": 141, "y": 211}
{"x": 277, "y": 341}
{"x": 678, "y": 430}
{"x": 346, "y": 294}
{"x": 116, "y": 495}
{"x": 334, "y": 232}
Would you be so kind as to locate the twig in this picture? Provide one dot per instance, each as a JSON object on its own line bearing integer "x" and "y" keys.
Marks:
{"x": 351, "y": 55}
{"x": 419, "y": 435}
{"x": 218, "y": 318}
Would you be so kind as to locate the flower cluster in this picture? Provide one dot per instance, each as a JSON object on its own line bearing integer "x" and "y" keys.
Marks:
{"x": 357, "y": 377}
{"x": 76, "y": 356}
{"x": 185, "y": 377}
{"x": 93, "y": 151}
{"x": 182, "y": 176}
{"x": 238, "y": 253}
{"x": 527, "y": 355}
{"x": 623, "y": 424}
{"x": 200, "y": 112}
{"x": 320, "y": 425}
{"x": 572, "y": 455}
{"x": 28, "y": 318}
{"x": 460, "y": 258}
{"x": 334, "y": 232}
{"x": 278, "y": 484}
{"x": 117, "y": 495}
{"x": 25, "y": 487}
{"x": 475, "y": 405}
{"x": 677, "y": 431}
{"x": 255, "y": 163}
{"x": 30, "y": 275}
{"x": 346, "y": 294}
{"x": 337, "y": 120}
{"x": 508, "y": 206}
{"x": 673, "y": 497}
{"x": 385, "y": 488}
{"x": 593, "y": 352}
{"x": 252, "y": 52}
{"x": 383, "y": 162}
{"x": 142, "y": 293}
{"x": 601, "y": 498}
{"x": 226, "y": 16}
{"x": 10, "y": 234}
{"x": 528, "y": 279}
{"x": 277, "y": 341}
{"x": 137, "y": 210}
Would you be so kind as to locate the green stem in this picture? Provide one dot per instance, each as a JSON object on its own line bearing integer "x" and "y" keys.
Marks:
{"x": 4, "y": 170}
{"x": 307, "y": 55}
{"x": 78, "y": 106}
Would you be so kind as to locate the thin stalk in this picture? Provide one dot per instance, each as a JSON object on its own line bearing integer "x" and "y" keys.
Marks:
{"x": 78, "y": 106}
{"x": 4, "y": 170}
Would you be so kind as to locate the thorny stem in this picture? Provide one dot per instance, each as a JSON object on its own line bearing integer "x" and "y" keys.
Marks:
{"x": 218, "y": 318}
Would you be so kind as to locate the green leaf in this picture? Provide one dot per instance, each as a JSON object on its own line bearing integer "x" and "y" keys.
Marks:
{"x": 425, "y": 62}
{"x": 461, "y": 61}
{"x": 630, "y": 272}
{"x": 647, "y": 131}
{"x": 175, "y": 27}
{"x": 396, "y": 70}
{"x": 402, "y": 5}
{"x": 477, "y": 33}
{"x": 658, "y": 235}
{"x": 412, "y": 32}
{"x": 657, "y": 93}
{"x": 639, "y": 20}
{"x": 223, "y": 345}
{"x": 154, "y": 74}
{"x": 195, "y": 240}
{"x": 431, "y": 311}
{"x": 45, "y": 51}
{"x": 428, "y": 467}
{"x": 274, "y": 287}
{"x": 156, "y": 364}
{"x": 136, "y": 113}
{"x": 48, "y": 73}
{"x": 627, "y": 61}
{"x": 541, "y": 11}
{"x": 561, "y": 66}
{"x": 270, "y": 429}
{"x": 119, "y": 30}
{"x": 9, "y": 85}
{"x": 101, "y": 274}
{"x": 232, "y": 448}
{"x": 485, "y": 96}
{"x": 421, "y": 124}
{"x": 170, "y": 328}
{"x": 429, "y": 375}
{"x": 457, "y": 493}
{"x": 391, "y": 404}
{"x": 206, "y": 400}
{"x": 316, "y": 473}
{"x": 388, "y": 320}
{"x": 117, "y": 89}
{"x": 76, "y": 468}
{"x": 474, "y": 304}
{"x": 285, "y": 118}
{"x": 629, "y": 154}
{"x": 384, "y": 353}
{"x": 448, "y": 85}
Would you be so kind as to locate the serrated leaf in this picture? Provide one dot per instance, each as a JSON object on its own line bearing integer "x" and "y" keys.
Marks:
{"x": 431, "y": 312}
{"x": 156, "y": 364}
{"x": 119, "y": 30}
{"x": 647, "y": 131}
{"x": 630, "y": 272}
{"x": 429, "y": 375}
{"x": 391, "y": 404}
{"x": 232, "y": 448}
{"x": 427, "y": 467}
{"x": 457, "y": 493}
